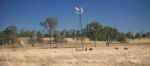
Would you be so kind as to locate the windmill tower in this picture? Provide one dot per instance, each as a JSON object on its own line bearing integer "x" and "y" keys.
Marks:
{"x": 79, "y": 12}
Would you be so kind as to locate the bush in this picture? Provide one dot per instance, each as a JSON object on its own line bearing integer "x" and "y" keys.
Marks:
{"x": 58, "y": 37}
{"x": 122, "y": 38}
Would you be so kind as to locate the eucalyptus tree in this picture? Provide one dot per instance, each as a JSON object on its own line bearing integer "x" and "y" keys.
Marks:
{"x": 109, "y": 32}
{"x": 138, "y": 35}
{"x": 64, "y": 34}
{"x": 73, "y": 34}
{"x": 93, "y": 29}
{"x": 58, "y": 37}
{"x": 50, "y": 25}
{"x": 146, "y": 35}
{"x": 10, "y": 34}
{"x": 1, "y": 38}
{"x": 39, "y": 36}
{"x": 32, "y": 37}
{"x": 130, "y": 35}
{"x": 24, "y": 33}
{"x": 121, "y": 37}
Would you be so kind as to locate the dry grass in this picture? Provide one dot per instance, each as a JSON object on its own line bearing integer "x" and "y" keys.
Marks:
{"x": 124, "y": 55}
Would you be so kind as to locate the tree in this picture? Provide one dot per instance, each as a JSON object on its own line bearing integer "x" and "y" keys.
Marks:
{"x": 1, "y": 38}
{"x": 146, "y": 35}
{"x": 73, "y": 34}
{"x": 129, "y": 35}
{"x": 93, "y": 30}
{"x": 138, "y": 35}
{"x": 108, "y": 33}
{"x": 121, "y": 37}
{"x": 24, "y": 33}
{"x": 50, "y": 25}
{"x": 10, "y": 34}
{"x": 58, "y": 37}
{"x": 64, "y": 34}
{"x": 32, "y": 37}
{"x": 39, "y": 37}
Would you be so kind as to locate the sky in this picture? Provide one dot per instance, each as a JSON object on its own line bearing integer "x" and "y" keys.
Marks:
{"x": 125, "y": 15}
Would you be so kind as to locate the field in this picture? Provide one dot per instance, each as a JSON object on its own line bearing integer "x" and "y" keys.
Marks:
{"x": 118, "y": 54}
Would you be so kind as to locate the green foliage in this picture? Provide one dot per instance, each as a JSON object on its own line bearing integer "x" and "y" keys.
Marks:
{"x": 138, "y": 35}
{"x": 1, "y": 38}
{"x": 121, "y": 37}
{"x": 39, "y": 37}
{"x": 64, "y": 33}
{"x": 146, "y": 35}
{"x": 129, "y": 35}
{"x": 96, "y": 31}
{"x": 73, "y": 33}
{"x": 32, "y": 37}
{"x": 93, "y": 30}
{"x": 58, "y": 37}
{"x": 9, "y": 35}
{"x": 50, "y": 25}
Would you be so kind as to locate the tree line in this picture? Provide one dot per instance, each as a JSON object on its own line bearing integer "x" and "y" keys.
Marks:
{"x": 94, "y": 31}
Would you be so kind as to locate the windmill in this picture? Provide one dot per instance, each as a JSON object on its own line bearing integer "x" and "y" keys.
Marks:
{"x": 79, "y": 12}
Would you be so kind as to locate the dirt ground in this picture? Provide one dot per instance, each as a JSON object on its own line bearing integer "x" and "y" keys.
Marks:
{"x": 133, "y": 54}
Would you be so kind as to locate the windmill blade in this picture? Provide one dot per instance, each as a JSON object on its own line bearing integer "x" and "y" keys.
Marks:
{"x": 81, "y": 10}
{"x": 77, "y": 9}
